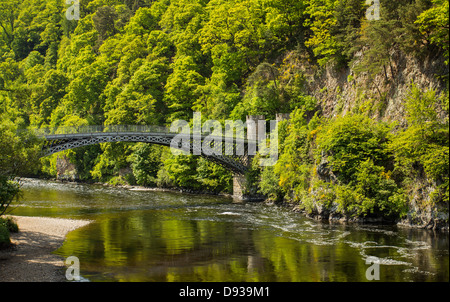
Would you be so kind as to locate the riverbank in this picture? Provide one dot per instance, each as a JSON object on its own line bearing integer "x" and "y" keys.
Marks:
{"x": 30, "y": 257}
{"x": 142, "y": 188}
{"x": 417, "y": 218}
{"x": 424, "y": 220}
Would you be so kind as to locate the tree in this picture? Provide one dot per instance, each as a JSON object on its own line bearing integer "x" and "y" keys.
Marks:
{"x": 421, "y": 150}
{"x": 434, "y": 22}
{"x": 182, "y": 20}
{"x": 214, "y": 177}
{"x": 145, "y": 162}
{"x": 411, "y": 39}
{"x": 263, "y": 93}
{"x": 295, "y": 161}
{"x": 141, "y": 100}
{"x": 347, "y": 29}
{"x": 378, "y": 40}
{"x": 18, "y": 157}
{"x": 349, "y": 140}
{"x": 320, "y": 21}
{"x": 182, "y": 170}
{"x": 182, "y": 88}
{"x": 142, "y": 22}
{"x": 9, "y": 10}
{"x": 285, "y": 19}
{"x": 54, "y": 89}
{"x": 104, "y": 22}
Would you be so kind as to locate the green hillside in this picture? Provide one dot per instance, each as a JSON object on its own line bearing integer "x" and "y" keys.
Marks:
{"x": 377, "y": 151}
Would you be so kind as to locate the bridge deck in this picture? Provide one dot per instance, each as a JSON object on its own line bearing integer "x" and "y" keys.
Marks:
{"x": 223, "y": 154}
{"x": 171, "y": 135}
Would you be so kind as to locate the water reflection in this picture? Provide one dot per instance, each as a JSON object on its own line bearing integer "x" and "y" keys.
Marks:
{"x": 155, "y": 236}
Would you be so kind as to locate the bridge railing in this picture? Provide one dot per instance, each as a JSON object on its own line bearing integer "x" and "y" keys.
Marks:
{"x": 44, "y": 131}
{"x": 92, "y": 129}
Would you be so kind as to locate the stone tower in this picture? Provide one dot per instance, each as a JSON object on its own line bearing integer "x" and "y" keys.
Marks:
{"x": 241, "y": 189}
{"x": 240, "y": 185}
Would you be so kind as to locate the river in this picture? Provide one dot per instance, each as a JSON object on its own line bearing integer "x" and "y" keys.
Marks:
{"x": 168, "y": 236}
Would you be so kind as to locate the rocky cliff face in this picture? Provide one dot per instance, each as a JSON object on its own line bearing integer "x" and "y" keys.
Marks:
{"x": 65, "y": 169}
{"x": 423, "y": 212}
{"x": 381, "y": 96}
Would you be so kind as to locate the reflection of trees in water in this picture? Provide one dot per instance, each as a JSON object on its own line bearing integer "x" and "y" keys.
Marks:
{"x": 157, "y": 244}
{"x": 179, "y": 245}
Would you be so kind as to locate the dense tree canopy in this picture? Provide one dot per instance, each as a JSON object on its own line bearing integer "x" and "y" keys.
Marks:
{"x": 155, "y": 61}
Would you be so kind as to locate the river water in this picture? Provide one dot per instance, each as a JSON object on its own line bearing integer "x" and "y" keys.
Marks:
{"x": 166, "y": 236}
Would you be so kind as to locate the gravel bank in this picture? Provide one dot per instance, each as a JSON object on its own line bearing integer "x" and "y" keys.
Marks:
{"x": 31, "y": 258}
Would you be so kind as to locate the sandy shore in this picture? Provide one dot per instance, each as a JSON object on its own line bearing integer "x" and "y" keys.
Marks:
{"x": 31, "y": 258}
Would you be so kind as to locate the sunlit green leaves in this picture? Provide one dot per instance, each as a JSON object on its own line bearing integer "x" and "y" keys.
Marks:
{"x": 182, "y": 88}
{"x": 18, "y": 156}
{"x": 351, "y": 139}
{"x": 423, "y": 145}
{"x": 434, "y": 22}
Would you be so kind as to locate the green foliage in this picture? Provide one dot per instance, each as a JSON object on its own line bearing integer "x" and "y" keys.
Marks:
{"x": 320, "y": 21}
{"x": 181, "y": 170}
{"x": 434, "y": 23}
{"x": 151, "y": 62}
{"x": 84, "y": 158}
{"x": 18, "y": 157}
{"x": 422, "y": 149}
{"x": 357, "y": 152}
{"x": 378, "y": 193}
{"x": 341, "y": 163}
{"x": 104, "y": 22}
{"x": 379, "y": 37}
{"x": 111, "y": 161}
{"x": 182, "y": 88}
{"x": 268, "y": 184}
{"x": 263, "y": 94}
{"x": 213, "y": 177}
{"x": 10, "y": 224}
{"x": 350, "y": 140}
{"x": 294, "y": 166}
{"x": 145, "y": 163}
{"x": 9, "y": 190}
{"x": 349, "y": 15}
{"x": 4, "y": 236}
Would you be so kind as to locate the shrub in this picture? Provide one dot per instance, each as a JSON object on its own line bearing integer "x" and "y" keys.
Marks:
{"x": 10, "y": 224}
{"x": 348, "y": 200}
{"x": 294, "y": 167}
{"x": 4, "y": 236}
{"x": 350, "y": 140}
{"x": 269, "y": 184}
{"x": 421, "y": 150}
{"x": 118, "y": 181}
{"x": 9, "y": 190}
{"x": 214, "y": 177}
{"x": 378, "y": 191}
{"x": 145, "y": 162}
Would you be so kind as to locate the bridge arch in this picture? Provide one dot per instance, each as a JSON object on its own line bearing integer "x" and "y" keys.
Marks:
{"x": 65, "y": 138}
{"x": 54, "y": 143}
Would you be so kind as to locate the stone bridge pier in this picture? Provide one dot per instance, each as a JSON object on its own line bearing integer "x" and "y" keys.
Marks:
{"x": 243, "y": 189}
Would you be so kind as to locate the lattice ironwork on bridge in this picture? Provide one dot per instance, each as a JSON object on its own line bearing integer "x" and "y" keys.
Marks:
{"x": 233, "y": 155}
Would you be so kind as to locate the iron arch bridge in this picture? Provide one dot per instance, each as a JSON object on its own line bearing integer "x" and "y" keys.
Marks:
{"x": 64, "y": 138}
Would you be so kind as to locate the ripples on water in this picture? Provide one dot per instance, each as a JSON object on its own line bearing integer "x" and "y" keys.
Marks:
{"x": 165, "y": 236}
